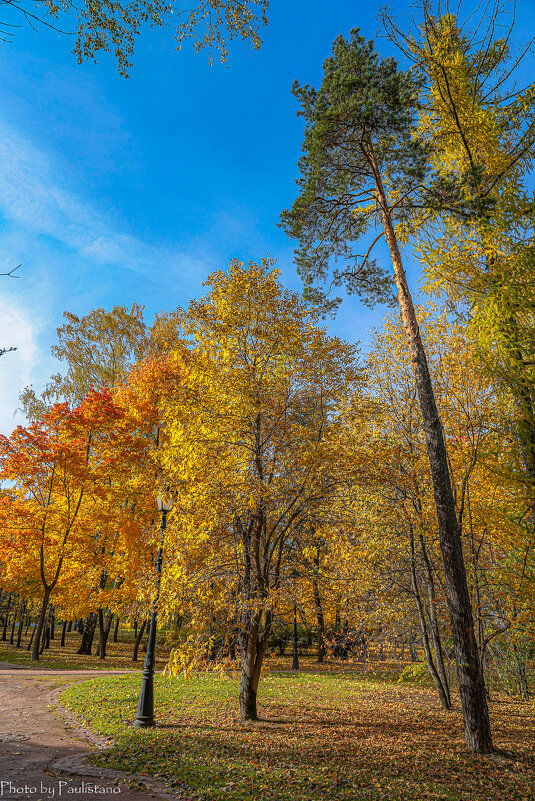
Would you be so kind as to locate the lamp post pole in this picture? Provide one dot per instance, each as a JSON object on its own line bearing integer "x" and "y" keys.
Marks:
{"x": 145, "y": 708}
{"x": 295, "y": 660}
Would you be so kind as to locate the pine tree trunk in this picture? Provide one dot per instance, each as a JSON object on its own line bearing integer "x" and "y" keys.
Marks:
{"x": 471, "y": 684}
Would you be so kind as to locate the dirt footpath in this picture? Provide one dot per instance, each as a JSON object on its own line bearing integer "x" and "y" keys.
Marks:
{"x": 42, "y": 756}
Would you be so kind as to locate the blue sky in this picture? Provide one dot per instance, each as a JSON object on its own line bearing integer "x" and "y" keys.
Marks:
{"x": 114, "y": 191}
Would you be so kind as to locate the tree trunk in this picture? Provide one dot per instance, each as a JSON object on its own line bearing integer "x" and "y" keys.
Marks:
{"x": 412, "y": 649}
{"x": 39, "y": 627}
{"x": 116, "y": 628}
{"x": 21, "y": 624}
{"x": 435, "y": 631}
{"x": 471, "y": 684}
{"x": 46, "y": 639}
{"x": 522, "y": 679}
{"x": 232, "y": 649}
{"x": 87, "y": 636}
{"x": 253, "y": 648}
{"x": 14, "y": 623}
{"x": 6, "y": 618}
{"x": 63, "y": 632}
{"x": 248, "y": 709}
{"x": 138, "y": 640}
{"x": 103, "y": 632}
{"x": 441, "y": 690}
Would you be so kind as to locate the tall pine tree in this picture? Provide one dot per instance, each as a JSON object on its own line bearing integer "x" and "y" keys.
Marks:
{"x": 360, "y": 170}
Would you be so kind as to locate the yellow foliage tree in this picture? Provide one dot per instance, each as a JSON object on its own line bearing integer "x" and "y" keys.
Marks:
{"x": 252, "y": 446}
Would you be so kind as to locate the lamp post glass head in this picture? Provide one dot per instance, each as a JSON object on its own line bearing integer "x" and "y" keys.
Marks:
{"x": 166, "y": 502}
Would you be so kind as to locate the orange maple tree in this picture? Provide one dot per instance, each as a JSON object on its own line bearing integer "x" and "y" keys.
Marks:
{"x": 61, "y": 472}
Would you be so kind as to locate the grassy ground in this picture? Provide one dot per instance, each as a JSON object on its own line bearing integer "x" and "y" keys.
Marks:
{"x": 322, "y": 735}
{"x": 119, "y": 654}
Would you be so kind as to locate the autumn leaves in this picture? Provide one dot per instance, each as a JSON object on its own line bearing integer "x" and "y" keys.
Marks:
{"x": 396, "y": 501}
{"x": 237, "y": 406}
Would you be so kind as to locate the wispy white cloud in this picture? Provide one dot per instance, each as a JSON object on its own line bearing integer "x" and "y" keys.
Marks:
{"x": 77, "y": 255}
{"x": 74, "y": 256}
{"x": 32, "y": 198}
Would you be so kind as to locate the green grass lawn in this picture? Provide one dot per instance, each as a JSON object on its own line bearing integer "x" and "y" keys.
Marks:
{"x": 322, "y": 736}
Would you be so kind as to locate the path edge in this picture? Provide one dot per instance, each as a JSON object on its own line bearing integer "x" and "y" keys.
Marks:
{"x": 80, "y": 766}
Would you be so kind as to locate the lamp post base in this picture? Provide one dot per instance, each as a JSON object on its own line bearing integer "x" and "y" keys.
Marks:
{"x": 144, "y": 723}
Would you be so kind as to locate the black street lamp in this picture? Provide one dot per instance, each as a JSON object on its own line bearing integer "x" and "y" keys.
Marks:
{"x": 145, "y": 708}
{"x": 295, "y": 658}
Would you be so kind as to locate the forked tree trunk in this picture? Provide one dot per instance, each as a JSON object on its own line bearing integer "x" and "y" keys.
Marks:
{"x": 471, "y": 684}
{"x": 253, "y": 648}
